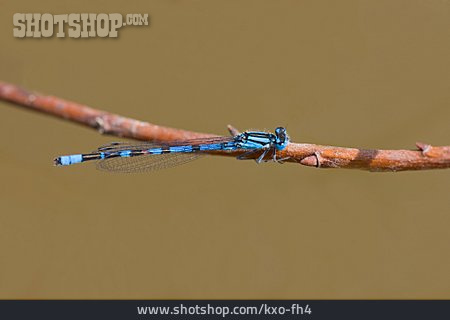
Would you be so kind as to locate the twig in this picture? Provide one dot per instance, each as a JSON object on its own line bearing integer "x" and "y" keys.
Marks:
{"x": 312, "y": 155}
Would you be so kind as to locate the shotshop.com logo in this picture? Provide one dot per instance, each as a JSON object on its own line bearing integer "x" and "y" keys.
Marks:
{"x": 77, "y": 25}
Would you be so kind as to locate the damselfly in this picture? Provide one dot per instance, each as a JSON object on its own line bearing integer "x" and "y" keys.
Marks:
{"x": 147, "y": 156}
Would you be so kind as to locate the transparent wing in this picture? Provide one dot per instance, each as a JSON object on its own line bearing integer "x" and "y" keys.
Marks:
{"x": 119, "y": 146}
{"x": 150, "y": 162}
{"x": 147, "y": 162}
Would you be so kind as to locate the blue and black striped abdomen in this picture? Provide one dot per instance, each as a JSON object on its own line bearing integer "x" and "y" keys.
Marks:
{"x": 118, "y": 150}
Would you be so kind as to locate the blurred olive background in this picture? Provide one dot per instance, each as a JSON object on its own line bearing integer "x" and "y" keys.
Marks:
{"x": 372, "y": 74}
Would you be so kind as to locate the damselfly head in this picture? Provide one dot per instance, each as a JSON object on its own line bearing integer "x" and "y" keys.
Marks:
{"x": 282, "y": 138}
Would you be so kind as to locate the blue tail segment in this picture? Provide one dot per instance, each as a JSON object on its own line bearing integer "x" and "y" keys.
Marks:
{"x": 68, "y": 160}
{"x": 124, "y": 157}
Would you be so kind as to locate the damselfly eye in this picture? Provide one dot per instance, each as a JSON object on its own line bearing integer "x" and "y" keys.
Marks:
{"x": 281, "y": 133}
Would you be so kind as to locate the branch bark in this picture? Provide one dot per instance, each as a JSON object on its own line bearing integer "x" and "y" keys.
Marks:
{"x": 312, "y": 155}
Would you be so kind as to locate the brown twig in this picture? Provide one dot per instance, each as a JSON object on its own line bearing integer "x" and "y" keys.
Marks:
{"x": 312, "y": 155}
